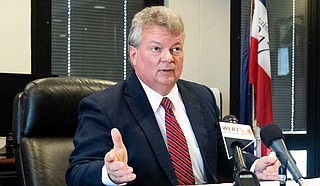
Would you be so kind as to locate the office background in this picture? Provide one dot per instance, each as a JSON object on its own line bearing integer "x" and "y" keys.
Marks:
{"x": 207, "y": 48}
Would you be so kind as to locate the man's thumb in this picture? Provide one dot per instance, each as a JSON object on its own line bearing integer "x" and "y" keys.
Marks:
{"x": 117, "y": 139}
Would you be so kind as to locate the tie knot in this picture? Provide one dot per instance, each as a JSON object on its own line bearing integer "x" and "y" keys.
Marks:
{"x": 166, "y": 103}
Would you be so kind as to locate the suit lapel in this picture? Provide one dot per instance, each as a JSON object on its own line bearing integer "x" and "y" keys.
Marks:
{"x": 195, "y": 115}
{"x": 141, "y": 109}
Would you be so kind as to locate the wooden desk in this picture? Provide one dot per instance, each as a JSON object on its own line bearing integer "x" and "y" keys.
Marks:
{"x": 7, "y": 164}
{"x": 5, "y": 160}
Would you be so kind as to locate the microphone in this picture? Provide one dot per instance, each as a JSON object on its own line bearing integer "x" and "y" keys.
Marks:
{"x": 230, "y": 119}
{"x": 272, "y": 137}
{"x": 242, "y": 176}
{"x": 240, "y": 163}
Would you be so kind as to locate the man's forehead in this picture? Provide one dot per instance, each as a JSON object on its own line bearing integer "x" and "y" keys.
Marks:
{"x": 160, "y": 35}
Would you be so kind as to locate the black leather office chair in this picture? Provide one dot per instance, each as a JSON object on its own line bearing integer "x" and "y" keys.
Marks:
{"x": 45, "y": 118}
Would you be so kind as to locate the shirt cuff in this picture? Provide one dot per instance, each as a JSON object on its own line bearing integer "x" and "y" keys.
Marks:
{"x": 253, "y": 166}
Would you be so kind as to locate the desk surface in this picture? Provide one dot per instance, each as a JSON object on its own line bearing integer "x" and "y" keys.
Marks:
{"x": 6, "y": 160}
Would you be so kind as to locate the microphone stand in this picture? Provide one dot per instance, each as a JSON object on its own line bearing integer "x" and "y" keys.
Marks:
{"x": 282, "y": 175}
{"x": 242, "y": 176}
{"x": 297, "y": 177}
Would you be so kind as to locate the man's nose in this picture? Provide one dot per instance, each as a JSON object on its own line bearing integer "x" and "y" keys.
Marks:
{"x": 167, "y": 56}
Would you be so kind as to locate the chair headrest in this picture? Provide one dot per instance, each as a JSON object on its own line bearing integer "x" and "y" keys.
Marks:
{"x": 50, "y": 105}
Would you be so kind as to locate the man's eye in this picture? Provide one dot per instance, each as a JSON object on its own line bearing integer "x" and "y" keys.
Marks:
{"x": 156, "y": 49}
{"x": 176, "y": 50}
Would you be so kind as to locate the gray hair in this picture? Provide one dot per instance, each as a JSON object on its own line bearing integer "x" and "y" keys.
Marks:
{"x": 154, "y": 16}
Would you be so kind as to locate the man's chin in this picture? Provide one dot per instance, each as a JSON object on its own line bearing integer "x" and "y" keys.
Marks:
{"x": 169, "y": 82}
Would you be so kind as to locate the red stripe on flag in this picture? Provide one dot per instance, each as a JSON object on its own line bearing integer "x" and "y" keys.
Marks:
{"x": 264, "y": 98}
{"x": 253, "y": 61}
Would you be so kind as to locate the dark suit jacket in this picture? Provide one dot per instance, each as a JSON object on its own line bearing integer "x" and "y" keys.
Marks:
{"x": 125, "y": 106}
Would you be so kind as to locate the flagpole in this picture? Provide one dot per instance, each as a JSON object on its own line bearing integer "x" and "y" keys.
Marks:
{"x": 251, "y": 14}
{"x": 253, "y": 120}
{"x": 253, "y": 123}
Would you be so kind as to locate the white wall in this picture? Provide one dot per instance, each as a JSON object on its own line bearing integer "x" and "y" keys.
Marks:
{"x": 15, "y": 36}
{"x": 207, "y": 45}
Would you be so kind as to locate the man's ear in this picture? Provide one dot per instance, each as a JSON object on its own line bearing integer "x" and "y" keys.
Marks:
{"x": 133, "y": 55}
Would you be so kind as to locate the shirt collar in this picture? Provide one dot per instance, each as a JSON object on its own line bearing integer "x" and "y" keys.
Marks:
{"x": 155, "y": 98}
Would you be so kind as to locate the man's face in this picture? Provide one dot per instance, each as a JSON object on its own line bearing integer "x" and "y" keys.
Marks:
{"x": 158, "y": 61}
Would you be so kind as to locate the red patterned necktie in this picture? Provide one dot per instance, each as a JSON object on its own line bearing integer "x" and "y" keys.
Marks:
{"x": 177, "y": 146}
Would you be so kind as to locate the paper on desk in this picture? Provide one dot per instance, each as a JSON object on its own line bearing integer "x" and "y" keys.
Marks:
{"x": 2, "y": 142}
{"x": 310, "y": 182}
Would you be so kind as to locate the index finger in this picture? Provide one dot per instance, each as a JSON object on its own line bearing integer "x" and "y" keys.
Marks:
{"x": 110, "y": 156}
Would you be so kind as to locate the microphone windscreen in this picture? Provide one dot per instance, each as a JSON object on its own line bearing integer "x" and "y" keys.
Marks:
{"x": 230, "y": 119}
{"x": 269, "y": 133}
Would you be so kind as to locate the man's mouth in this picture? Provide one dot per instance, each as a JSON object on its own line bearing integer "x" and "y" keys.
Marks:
{"x": 166, "y": 70}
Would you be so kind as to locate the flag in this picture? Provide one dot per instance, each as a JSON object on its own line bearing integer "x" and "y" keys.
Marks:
{"x": 259, "y": 67}
{"x": 245, "y": 115}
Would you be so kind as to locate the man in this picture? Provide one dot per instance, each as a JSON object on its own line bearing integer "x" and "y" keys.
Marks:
{"x": 124, "y": 131}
